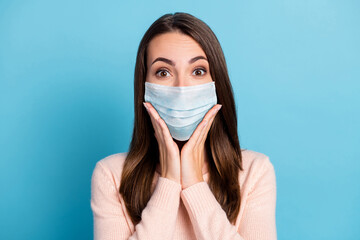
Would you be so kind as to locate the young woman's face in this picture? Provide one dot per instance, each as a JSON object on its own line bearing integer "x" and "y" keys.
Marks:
{"x": 175, "y": 59}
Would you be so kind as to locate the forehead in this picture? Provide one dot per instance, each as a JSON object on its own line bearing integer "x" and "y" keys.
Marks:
{"x": 173, "y": 45}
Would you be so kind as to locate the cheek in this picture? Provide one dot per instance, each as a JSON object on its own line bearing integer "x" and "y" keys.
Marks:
{"x": 148, "y": 76}
{"x": 207, "y": 79}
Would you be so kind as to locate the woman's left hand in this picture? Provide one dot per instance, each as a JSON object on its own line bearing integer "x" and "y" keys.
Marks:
{"x": 192, "y": 153}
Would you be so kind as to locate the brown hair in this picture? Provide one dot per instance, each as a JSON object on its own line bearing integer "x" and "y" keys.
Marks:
{"x": 222, "y": 143}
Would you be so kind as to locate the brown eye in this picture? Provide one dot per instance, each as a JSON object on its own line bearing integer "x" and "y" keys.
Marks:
{"x": 162, "y": 73}
{"x": 198, "y": 71}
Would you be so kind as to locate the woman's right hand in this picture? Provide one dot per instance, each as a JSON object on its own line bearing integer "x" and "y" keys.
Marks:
{"x": 168, "y": 149}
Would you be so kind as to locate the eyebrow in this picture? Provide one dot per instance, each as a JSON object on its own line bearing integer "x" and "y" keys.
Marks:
{"x": 168, "y": 61}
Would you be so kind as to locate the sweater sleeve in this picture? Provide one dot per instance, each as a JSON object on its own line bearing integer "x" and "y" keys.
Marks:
{"x": 210, "y": 220}
{"x": 158, "y": 217}
{"x": 258, "y": 220}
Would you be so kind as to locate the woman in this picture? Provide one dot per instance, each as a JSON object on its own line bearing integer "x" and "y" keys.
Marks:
{"x": 184, "y": 176}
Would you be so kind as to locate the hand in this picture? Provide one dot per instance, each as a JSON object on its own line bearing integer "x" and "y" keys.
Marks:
{"x": 192, "y": 153}
{"x": 168, "y": 149}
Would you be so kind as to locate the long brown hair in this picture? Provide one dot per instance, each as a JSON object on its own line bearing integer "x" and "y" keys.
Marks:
{"x": 222, "y": 143}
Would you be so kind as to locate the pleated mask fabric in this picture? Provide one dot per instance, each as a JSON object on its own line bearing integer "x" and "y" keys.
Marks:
{"x": 182, "y": 108}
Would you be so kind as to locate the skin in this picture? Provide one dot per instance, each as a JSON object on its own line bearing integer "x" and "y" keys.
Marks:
{"x": 181, "y": 161}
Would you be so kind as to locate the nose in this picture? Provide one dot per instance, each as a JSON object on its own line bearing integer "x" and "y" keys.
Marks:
{"x": 181, "y": 81}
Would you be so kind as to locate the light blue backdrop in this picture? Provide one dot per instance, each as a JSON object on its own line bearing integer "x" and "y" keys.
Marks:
{"x": 66, "y": 101}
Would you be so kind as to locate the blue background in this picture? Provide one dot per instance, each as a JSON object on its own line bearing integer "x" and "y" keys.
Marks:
{"x": 66, "y": 101}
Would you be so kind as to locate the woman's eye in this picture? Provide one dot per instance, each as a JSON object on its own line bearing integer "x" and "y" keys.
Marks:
{"x": 198, "y": 71}
{"x": 162, "y": 73}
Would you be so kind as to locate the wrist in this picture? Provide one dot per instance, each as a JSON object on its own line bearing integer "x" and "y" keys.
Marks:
{"x": 190, "y": 182}
{"x": 170, "y": 177}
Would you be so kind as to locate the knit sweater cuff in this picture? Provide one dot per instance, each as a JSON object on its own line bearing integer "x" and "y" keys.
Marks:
{"x": 199, "y": 199}
{"x": 166, "y": 194}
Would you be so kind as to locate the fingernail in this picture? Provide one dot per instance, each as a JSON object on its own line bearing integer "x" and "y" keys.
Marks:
{"x": 218, "y": 108}
{"x": 145, "y": 106}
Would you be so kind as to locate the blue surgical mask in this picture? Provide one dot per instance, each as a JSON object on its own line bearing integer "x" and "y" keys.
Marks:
{"x": 182, "y": 108}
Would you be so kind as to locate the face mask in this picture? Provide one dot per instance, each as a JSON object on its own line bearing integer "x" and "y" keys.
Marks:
{"x": 182, "y": 108}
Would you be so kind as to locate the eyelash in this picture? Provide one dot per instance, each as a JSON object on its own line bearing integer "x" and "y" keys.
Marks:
{"x": 201, "y": 68}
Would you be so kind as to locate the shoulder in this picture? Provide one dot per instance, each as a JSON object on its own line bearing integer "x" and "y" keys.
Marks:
{"x": 252, "y": 158}
{"x": 113, "y": 162}
{"x": 257, "y": 183}
{"x": 110, "y": 167}
{"x": 256, "y": 165}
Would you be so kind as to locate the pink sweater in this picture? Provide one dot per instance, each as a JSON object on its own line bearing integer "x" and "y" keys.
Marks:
{"x": 192, "y": 213}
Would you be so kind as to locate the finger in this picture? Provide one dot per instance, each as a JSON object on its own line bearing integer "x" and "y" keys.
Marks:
{"x": 209, "y": 117}
{"x": 206, "y": 130}
{"x": 212, "y": 112}
{"x": 154, "y": 122}
{"x": 153, "y": 111}
{"x": 197, "y": 133}
{"x": 156, "y": 117}
{"x": 165, "y": 133}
